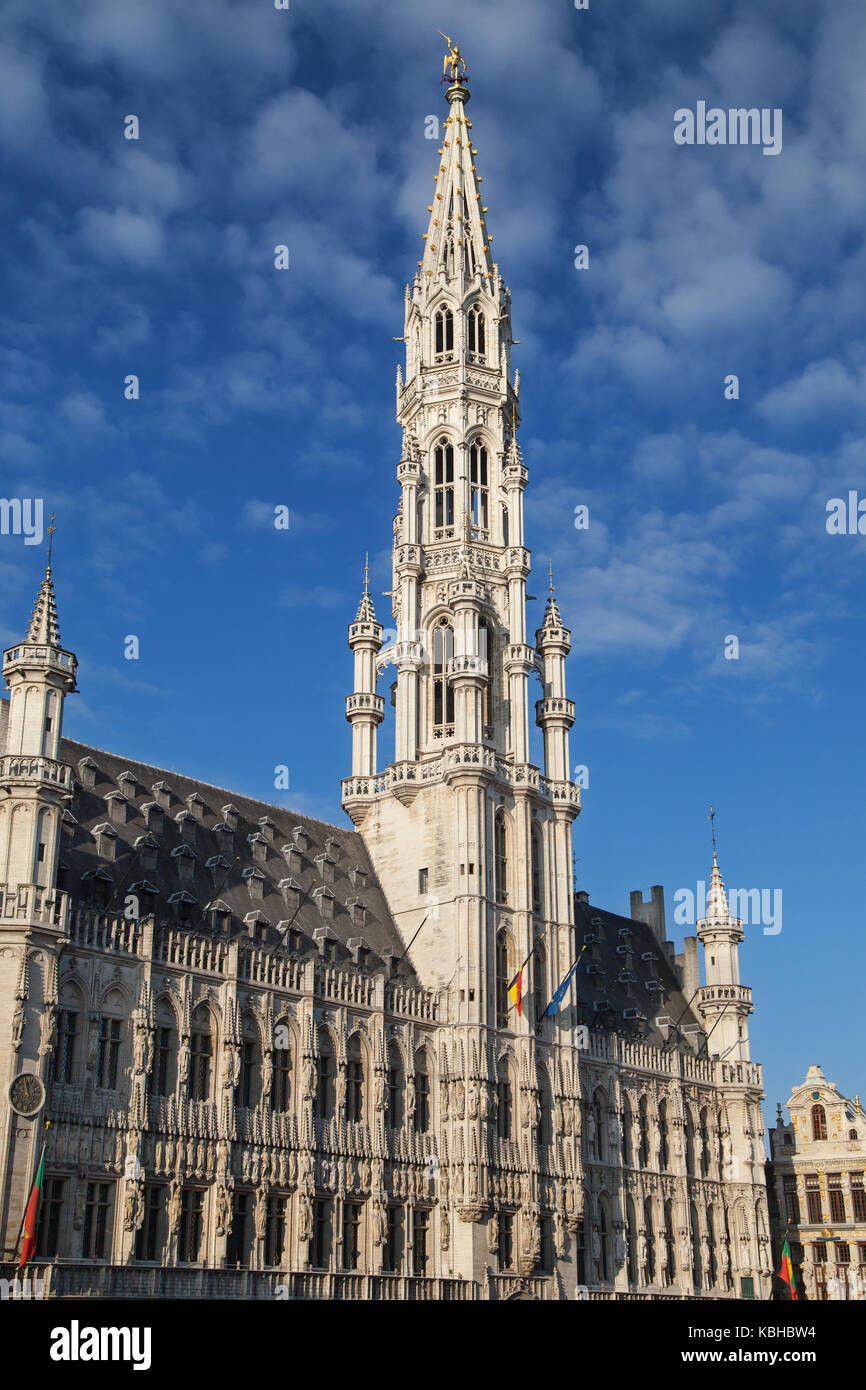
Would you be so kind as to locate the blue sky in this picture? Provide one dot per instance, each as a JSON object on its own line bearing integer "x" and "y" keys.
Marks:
{"x": 260, "y": 387}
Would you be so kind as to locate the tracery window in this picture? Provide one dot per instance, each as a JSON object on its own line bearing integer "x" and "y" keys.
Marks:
{"x": 475, "y": 332}
{"x": 502, "y": 980}
{"x": 500, "y": 857}
{"x": 443, "y": 691}
{"x": 443, "y": 485}
{"x": 443, "y": 327}
{"x": 325, "y": 1075}
{"x": 200, "y": 1055}
{"x": 504, "y": 1101}
{"x": 354, "y": 1081}
{"x": 479, "y": 487}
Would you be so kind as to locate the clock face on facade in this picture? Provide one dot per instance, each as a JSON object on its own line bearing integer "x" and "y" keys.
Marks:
{"x": 26, "y": 1094}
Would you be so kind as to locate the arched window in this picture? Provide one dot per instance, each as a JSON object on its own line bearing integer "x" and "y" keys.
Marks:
{"x": 696, "y": 1246}
{"x": 162, "y": 1078}
{"x": 443, "y": 691}
{"x": 643, "y": 1128}
{"x": 690, "y": 1142}
{"x": 705, "y": 1143}
{"x": 545, "y": 1100}
{"x": 443, "y": 333}
{"x": 500, "y": 857}
{"x": 670, "y": 1256}
{"x": 325, "y": 1071}
{"x": 598, "y": 1116}
{"x": 443, "y": 485}
{"x": 711, "y": 1238}
{"x": 502, "y": 978}
{"x": 354, "y": 1080}
{"x": 201, "y": 1051}
{"x": 505, "y": 540}
{"x": 475, "y": 334}
{"x": 504, "y": 1101}
{"x": 110, "y": 1039}
{"x": 604, "y": 1241}
{"x": 248, "y": 1089}
{"x": 650, "y": 1240}
{"x": 626, "y": 1118}
{"x": 485, "y": 652}
{"x": 539, "y": 986}
{"x": 819, "y": 1122}
{"x": 663, "y": 1135}
{"x": 395, "y": 1087}
{"x": 852, "y": 1134}
{"x": 479, "y": 487}
{"x": 631, "y": 1241}
{"x": 281, "y": 1086}
{"x": 422, "y": 1093}
{"x": 66, "y": 1048}
{"x": 537, "y": 881}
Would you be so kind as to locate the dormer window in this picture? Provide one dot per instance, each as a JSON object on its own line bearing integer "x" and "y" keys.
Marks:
{"x": 147, "y": 894}
{"x": 162, "y": 793}
{"x": 218, "y": 868}
{"x": 358, "y": 876}
{"x": 147, "y": 849}
{"x": 327, "y": 944}
{"x": 475, "y": 333}
{"x": 301, "y": 838}
{"x": 255, "y": 881}
{"x": 185, "y": 859}
{"x": 106, "y": 841}
{"x": 154, "y": 816}
{"x": 324, "y": 900}
{"x": 87, "y": 771}
{"x": 231, "y": 815}
{"x": 332, "y": 847}
{"x": 257, "y": 925}
{"x": 267, "y": 828}
{"x": 116, "y": 802}
{"x": 186, "y": 824}
{"x": 220, "y": 916}
{"x": 127, "y": 784}
{"x": 224, "y": 836}
{"x": 100, "y": 885}
{"x": 183, "y": 904}
{"x": 292, "y": 856}
{"x": 196, "y": 805}
{"x": 291, "y": 893}
{"x": 325, "y": 866}
{"x": 357, "y": 912}
{"x": 443, "y": 335}
{"x": 258, "y": 847}
{"x": 443, "y": 483}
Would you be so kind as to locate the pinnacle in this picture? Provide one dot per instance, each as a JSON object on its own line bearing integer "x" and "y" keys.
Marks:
{"x": 44, "y": 625}
{"x": 366, "y": 612}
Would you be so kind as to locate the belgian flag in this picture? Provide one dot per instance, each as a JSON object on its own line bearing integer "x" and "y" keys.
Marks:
{"x": 786, "y": 1273}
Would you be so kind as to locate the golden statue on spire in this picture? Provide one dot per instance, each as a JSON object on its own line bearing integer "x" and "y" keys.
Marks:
{"x": 453, "y": 60}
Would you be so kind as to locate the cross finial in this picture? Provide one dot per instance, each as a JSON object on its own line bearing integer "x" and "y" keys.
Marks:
{"x": 550, "y": 576}
{"x": 712, "y": 819}
{"x": 49, "y": 531}
{"x": 366, "y": 572}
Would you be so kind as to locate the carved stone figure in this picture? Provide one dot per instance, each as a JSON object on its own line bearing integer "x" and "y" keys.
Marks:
{"x": 590, "y": 1131}
{"x": 174, "y": 1204}
{"x": 493, "y": 1233}
{"x": 261, "y": 1213}
{"x": 222, "y": 1211}
{"x": 380, "y": 1222}
{"x": 305, "y": 1217}
{"x": 472, "y": 1098}
{"x": 381, "y": 1091}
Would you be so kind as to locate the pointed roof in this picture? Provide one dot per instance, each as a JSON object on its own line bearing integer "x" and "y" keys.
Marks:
{"x": 44, "y": 625}
{"x": 717, "y": 898}
{"x": 366, "y": 612}
{"x": 552, "y": 616}
{"x": 457, "y": 217}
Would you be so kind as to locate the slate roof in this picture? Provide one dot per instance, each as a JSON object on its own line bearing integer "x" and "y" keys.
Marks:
{"x": 645, "y": 959}
{"x": 249, "y": 849}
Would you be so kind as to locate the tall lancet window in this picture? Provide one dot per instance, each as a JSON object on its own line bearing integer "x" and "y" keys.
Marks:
{"x": 443, "y": 483}
{"x": 537, "y": 882}
{"x": 485, "y": 651}
{"x": 479, "y": 487}
{"x": 443, "y": 691}
{"x": 443, "y": 331}
{"x": 475, "y": 335}
{"x": 502, "y": 979}
{"x": 505, "y": 540}
{"x": 500, "y": 857}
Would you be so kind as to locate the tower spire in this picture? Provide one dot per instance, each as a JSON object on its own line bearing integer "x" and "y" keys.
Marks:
{"x": 366, "y": 612}
{"x": 44, "y": 625}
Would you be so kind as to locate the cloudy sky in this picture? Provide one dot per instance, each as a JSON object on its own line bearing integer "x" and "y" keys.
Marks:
{"x": 260, "y": 387}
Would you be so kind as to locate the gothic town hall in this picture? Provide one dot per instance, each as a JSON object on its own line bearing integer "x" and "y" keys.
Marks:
{"x": 282, "y": 1058}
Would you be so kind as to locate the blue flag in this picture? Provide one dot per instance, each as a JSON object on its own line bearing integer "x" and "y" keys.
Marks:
{"x": 553, "y": 1006}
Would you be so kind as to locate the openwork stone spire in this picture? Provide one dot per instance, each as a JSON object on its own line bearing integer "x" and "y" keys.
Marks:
{"x": 366, "y": 612}
{"x": 44, "y": 625}
{"x": 717, "y": 898}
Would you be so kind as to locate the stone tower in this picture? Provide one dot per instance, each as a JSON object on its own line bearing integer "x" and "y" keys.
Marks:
{"x": 34, "y": 789}
{"x": 467, "y": 835}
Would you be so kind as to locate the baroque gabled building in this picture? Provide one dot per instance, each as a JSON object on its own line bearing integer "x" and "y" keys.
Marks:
{"x": 816, "y": 1181}
{"x": 283, "y": 1057}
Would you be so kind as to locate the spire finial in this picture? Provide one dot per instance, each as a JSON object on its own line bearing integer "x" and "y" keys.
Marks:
{"x": 712, "y": 819}
{"x": 366, "y": 573}
{"x": 550, "y": 576}
{"x": 49, "y": 531}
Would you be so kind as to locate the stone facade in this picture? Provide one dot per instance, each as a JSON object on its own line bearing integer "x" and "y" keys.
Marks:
{"x": 816, "y": 1178}
{"x": 282, "y": 1058}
